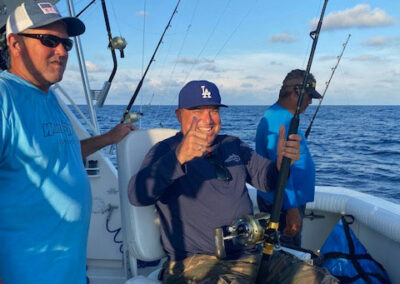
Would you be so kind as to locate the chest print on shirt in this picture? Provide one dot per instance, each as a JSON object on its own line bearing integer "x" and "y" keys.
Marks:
{"x": 232, "y": 158}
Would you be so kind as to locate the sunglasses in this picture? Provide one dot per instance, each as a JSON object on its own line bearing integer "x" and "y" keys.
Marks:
{"x": 309, "y": 88}
{"x": 51, "y": 40}
{"x": 221, "y": 172}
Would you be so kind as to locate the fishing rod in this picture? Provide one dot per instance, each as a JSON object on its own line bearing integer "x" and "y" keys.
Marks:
{"x": 139, "y": 86}
{"x": 272, "y": 235}
{"x": 326, "y": 86}
{"x": 117, "y": 42}
{"x": 113, "y": 43}
{"x": 84, "y": 9}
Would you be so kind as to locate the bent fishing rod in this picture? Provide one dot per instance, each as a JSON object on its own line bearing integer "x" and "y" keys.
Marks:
{"x": 139, "y": 86}
{"x": 272, "y": 234}
{"x": 326, "y": 87}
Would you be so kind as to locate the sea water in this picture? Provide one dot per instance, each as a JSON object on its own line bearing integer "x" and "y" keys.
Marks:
{"x": 357, "y": 147}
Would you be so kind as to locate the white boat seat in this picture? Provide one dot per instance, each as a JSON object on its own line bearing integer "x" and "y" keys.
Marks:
{"x": 140, "y": 224}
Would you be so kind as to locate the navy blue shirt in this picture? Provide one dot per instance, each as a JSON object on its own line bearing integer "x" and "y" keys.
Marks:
{"x": 191, "y": 200}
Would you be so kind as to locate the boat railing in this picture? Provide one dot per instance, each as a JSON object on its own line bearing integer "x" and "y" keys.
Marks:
{"x": 90, "y": 125}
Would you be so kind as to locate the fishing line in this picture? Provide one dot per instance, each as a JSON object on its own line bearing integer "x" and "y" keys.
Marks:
{"x": 310, "y": 42}
{"x": 133, "y": 98}
{"x": 143, "y": 34}
{"x": 188, "y": 29}
{"x": 143, "y": 46}
{"x": 229, "y": 37}
{"x": 116, "y": 18}
{"x": 208, "y": 39}
{"x": 160, "y": 74}
{"x": 203, "y": 48}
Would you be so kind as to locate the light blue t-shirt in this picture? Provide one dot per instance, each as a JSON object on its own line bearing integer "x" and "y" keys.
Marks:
{"x": 45, "y": 199}
{"x": 300, "y": 186}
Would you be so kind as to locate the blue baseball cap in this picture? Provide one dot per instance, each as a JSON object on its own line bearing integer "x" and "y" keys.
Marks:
{"x": 199, "y": 93}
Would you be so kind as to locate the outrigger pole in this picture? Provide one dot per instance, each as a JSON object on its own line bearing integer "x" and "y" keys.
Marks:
{"x": 139, "y": 86}
{"x": 271, "y": 234}
{"x": 326, "y": 87}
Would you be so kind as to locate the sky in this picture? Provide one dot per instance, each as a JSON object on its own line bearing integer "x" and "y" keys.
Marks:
{"x": 245, "y": 47}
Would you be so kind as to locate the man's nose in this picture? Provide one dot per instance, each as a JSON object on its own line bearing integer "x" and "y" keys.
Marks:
{"x": 206, "y": 117}
{"x": 60, "y": 50}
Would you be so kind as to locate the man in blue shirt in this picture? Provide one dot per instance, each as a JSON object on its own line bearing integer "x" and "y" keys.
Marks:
{"x": 45, "y": 200}
{"x": 197, "y": 181}
{"x": 300, "y": 185}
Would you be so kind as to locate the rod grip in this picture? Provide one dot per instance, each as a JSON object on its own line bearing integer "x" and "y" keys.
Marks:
{"x": 283, "y": 175}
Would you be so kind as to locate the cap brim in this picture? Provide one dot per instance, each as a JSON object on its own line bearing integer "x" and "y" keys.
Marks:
{"x": 196, "y": 106}
{"x": 74, "y": 26}
{"x": 314, "y": 94}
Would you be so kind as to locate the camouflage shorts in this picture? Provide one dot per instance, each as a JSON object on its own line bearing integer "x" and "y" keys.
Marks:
{"x": 282, "y": 268}
{"x": 209, "y": 269}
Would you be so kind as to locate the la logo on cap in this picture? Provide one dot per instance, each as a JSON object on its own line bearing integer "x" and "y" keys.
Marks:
{"x": 206, "y": 93}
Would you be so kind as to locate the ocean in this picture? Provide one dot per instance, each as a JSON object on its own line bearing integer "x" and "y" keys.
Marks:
{"x": 357, "y": 147}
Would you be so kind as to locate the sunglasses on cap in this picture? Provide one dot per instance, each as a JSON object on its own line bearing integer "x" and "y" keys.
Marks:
{"x": 221, "y": 172}
{"x": 51, "y": 40}
{"x": 309, "y": 85}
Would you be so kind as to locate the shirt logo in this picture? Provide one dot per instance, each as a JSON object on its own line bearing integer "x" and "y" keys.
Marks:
{"x": 48, "y": 8}
{"x": 232, "y": 158}
{"x": 206, "y": 93}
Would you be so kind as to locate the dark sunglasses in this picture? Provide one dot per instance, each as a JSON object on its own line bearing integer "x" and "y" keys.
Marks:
{"x": 221, "y": 172}
{"x": 310, "y": 87}
{"x": 51, "y": 40}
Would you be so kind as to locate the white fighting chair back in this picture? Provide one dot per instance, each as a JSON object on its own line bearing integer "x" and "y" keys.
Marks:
{"x": 140, "y": 225}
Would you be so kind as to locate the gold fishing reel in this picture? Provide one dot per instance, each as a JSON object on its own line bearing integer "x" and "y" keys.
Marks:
{"x": 247, "y": 230}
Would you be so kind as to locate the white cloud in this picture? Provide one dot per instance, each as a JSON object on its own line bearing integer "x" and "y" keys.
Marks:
{"x": 376, "y": 41}
{"x": 92, "y": 67}
{"x": 210, "y": 67}
{"x": 283, "y": 38}
{"x": 192, "y": 61}
{"x": 365, "y": 57}
{"x": 360, "y": 16}
{"x": 327, "y": 58}
{"x": 142, "y": 13}
{"x": 251, "y": 80}
{"x": 186, "y": 60}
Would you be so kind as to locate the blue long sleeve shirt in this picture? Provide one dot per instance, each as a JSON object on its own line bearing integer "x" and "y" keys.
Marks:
{"x": 191, "y": 201}
{"x": 300, "y": 186}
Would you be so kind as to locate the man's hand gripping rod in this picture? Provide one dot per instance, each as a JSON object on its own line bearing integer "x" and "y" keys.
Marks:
{"x": 271, "y": 232}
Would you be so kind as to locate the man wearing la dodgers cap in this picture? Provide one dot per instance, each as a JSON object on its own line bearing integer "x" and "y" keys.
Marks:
{"x": 45, "y": 200}
{"x": 197, "y": 180}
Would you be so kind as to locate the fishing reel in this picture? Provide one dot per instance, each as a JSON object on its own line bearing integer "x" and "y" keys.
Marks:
{"x": 246, "y": 231}
{"x": 132, "y": 117}
{"x": 119, "y": 43}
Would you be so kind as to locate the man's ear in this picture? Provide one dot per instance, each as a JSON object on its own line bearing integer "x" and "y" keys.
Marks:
{"x": 14, "y": 43}
{"x": 178, "y": 115}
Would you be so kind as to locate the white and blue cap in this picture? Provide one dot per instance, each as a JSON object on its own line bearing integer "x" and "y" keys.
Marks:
{"x": 35, "y": 14}
{"x": 199, "y": 93}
